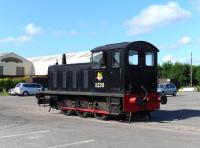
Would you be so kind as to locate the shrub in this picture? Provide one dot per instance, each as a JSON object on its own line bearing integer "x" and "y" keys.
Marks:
{"x": 2, "y": 83}
{"x": 8, "y": 83}
{"x": 198, "y": 88}
{"x": 15, "y": 81}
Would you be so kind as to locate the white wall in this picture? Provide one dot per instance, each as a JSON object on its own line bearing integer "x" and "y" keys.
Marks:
{"x": 41, "y": 64}
{"x": 9, "y": 68}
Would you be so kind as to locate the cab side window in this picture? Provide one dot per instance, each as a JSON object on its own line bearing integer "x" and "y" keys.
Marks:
{"x": 149, "y": 59}
{"x": 115, "y": 59}
{"x": 133, "y": 57}
{"x": 99, "y": 59}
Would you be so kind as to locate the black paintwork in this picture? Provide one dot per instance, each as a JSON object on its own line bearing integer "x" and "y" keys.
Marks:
{"x": 123, "y": 45}
{"x": 106, "y": 83}
{"x": 122, "y": 79}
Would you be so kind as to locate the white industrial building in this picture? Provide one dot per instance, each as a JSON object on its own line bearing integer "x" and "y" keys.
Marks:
{"x": 12, "y": 64}
{"x": 42, "y": 63}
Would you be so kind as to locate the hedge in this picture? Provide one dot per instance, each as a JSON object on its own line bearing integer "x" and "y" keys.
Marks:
{"x": 7, "y": 83}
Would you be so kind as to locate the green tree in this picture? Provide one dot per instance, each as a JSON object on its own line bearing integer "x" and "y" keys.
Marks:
{"x": 197, "y": 75}
{"x": 166, "y": 69}
{"x": 181, "y": 73}
{"x": 159, "y": 71}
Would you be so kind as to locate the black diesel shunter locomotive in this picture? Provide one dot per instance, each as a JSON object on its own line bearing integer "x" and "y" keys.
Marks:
{"x": 121, "y": 79}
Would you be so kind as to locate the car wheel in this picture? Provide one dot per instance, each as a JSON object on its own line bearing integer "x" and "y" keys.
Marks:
{"x": 174, "y": 94}
{"x": 25, "y": 93}
{"x": 163, "y": 93}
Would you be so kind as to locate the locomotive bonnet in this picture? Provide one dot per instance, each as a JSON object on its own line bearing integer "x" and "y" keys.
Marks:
{"x": 121, "y": 79}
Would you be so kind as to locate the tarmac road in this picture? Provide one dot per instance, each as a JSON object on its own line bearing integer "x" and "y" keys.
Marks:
{"x": 23, "y": 124}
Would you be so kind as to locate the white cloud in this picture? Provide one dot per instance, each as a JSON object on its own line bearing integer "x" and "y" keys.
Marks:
{"x": 178, "y": 44}
{"x": 32, "y": 29}
{"x": 73, "y": 33}
{"x": 156, "y": 15}
{"x": 17, "y": 40}
{"x": 185, "y": 40}
{"x": 167, "y": 58}
{"x": 170, "y": 58}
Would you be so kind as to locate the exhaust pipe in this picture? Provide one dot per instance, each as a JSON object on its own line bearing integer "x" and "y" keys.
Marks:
{"x": 63, "y": 59}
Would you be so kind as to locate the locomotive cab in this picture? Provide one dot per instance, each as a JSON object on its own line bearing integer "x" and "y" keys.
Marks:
{"x": 125, "y": 68}
{"x": 129, "y": 69}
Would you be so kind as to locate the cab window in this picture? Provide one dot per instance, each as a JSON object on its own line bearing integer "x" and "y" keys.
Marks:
{"x": 149, "y": 59}
{"x": 99, "y": 59}
{"x": 115, "y": 59}
{"x": 133, "y": 57}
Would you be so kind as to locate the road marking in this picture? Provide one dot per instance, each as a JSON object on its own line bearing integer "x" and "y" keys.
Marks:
{"x": 69, "y": 144}
{"x": 23, "y": 134}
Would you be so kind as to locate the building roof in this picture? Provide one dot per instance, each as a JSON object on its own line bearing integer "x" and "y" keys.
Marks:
{"x": 3, "y": 53}
{"x": 11, "y": 54}
{"x": 42, "y": 63}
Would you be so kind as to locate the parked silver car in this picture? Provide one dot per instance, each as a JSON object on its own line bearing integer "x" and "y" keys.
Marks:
{"x": 11, "y": 91}
{"x": 167, "y": 89}
{"x": 26, "y": 89}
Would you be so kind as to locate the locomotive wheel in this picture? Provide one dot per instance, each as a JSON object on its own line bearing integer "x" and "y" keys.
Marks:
{"x": 98, "y": 115}
{"x": 101, "y": 116}
{"x": 85, "y": 105}
{"x": 67, "y": 103}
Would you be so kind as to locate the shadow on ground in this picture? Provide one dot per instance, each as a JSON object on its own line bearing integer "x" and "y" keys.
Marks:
{"x": 157, "y": 116}
{"x": 181, "y": 114}
{"x": 163, "y": 116}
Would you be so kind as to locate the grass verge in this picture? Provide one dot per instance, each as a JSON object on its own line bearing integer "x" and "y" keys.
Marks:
{"x": 4, "y": 93}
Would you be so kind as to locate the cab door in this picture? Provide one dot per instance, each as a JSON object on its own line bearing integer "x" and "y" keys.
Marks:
{"x": 115, "y": 77}
{"x": 100, "y": 72}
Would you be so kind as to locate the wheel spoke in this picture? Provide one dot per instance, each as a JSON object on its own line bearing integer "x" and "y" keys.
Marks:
{"x": 67, "y": 112}
{"x": 82, "y": 104}
{"x": 100, "y": 116}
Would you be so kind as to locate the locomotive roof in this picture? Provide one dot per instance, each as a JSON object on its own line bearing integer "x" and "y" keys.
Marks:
{"x": 121, "y": 46}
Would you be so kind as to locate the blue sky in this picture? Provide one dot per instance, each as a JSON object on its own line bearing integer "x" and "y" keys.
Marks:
{"x": 45, "y": 27}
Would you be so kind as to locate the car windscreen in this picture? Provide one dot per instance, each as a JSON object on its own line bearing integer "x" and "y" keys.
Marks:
{"x": 160, "y": 86}
{"x": 18, "y": 85}
{"x": 172, "y": 86}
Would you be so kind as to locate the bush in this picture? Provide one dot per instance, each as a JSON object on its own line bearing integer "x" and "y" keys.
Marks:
{"x": 3, "y": 83}
{"x": 8, "y": 83}
{"x": 16, "y": 81}
{"x": 198, "y": 88}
